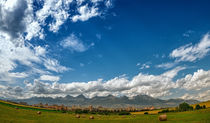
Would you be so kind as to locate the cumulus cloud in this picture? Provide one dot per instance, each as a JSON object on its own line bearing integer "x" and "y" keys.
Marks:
{"x": 50, "y": 78}
{"x": 85, "y": 13}
{"x": 21, "y": 21}
{"x": 11, "y": 92}
{"x": 191, "y": 52}
{"x": 57, "y": 9}
{"x": 12, "y": 13}
{"x": 21, "y": 16}
{"x": 196, "y": 81}
{"x": 153, "y": 85}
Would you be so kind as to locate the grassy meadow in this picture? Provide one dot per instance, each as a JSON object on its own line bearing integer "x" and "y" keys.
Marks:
{"x": 9, "y": 114}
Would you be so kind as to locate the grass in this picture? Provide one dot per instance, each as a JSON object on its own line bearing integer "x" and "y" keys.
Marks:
{"x": 9, "y": 114}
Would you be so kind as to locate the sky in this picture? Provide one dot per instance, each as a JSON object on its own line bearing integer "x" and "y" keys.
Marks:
{"x": 55, "y": 48}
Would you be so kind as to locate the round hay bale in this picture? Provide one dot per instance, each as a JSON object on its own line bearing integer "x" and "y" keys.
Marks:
{"x": 39, "y": 112}
{"x": 77, "y": 116}
{"x": 91, "y": 117}
{"x": 163, "y": 117}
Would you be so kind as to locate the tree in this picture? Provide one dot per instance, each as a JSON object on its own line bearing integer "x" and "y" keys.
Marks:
{"x": 185, "y": 107}
{"x": 204, "y": 106}
{"x": 197, "y": 107}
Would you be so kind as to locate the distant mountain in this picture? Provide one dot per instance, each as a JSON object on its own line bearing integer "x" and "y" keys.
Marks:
{"x": 108, "y": 101}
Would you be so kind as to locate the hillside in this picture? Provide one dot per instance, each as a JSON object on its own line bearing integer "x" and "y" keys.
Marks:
{"x": 206, "y": 103}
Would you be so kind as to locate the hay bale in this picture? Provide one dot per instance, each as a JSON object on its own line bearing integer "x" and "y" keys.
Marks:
{"x": 39, "y": 112}
{"x": 163, "y": 117}
{"x": 16, "y": 108}
{"x": 77, "y": 116}
{"x": 91, "y": 117}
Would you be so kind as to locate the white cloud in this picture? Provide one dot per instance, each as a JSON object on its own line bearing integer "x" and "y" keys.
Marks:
{"x": 202, "y": 96}
{"x": 21, "y": 21}
{"x": 40, "y": 51}
{"x": 57, "y": 9}
{"x": 144, "y": 66}
{"x": 73, "y": 43}
{"x": 18, "y": 75}
{"x": 172, "y": 73}
{"x": 138, "y": 64}
{"x": 50, "y": 78}
{"x": 167, "y": 65}
{"x": 191, "y": 52}
{"x": 108, "y": 3}
{"x": 11, "y": 92}
{"x": 20, "y": 16}
{"x": 34, "y": 30}
{"x": 10, "y": 53}
{"x": 196, "y": 81}
{"x": 54, "y": 65}
{"x": 153, "y": 85}
{"x": 85, "y": 13}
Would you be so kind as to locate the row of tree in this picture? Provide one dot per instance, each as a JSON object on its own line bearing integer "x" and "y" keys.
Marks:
{"x": 184, "y": 107}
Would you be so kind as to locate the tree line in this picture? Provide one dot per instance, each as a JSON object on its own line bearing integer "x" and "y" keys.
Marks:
{"x": 184, "y": 107}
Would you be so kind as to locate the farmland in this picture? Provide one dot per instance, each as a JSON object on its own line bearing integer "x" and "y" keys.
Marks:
{"x": 10, "y": 113}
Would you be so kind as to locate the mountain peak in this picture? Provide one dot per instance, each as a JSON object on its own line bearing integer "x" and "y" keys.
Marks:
{"x": 68, "y": 97}
{"x": 81, "y": 96}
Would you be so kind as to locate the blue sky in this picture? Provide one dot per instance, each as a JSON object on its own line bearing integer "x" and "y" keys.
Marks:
{"x": 102, "y": 47}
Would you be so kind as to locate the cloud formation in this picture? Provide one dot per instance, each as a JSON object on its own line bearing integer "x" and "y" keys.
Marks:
{"x": 203, "y": 96}
{"x": 21, "y": 21}
{"x": 196, "y": 81}
{"x": 12, "y": 13}
{"x": 50, "y": 78}
{"x": 85, "y": 13}
{"x": 153, "y": 85}
{"x": 191, "y": 52}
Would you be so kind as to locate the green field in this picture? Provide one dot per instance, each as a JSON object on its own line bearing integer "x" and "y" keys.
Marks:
{"x": 8, "y": 113}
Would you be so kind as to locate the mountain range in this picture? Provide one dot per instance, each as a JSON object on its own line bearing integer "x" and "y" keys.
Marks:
{"x": 107, "y": 101}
